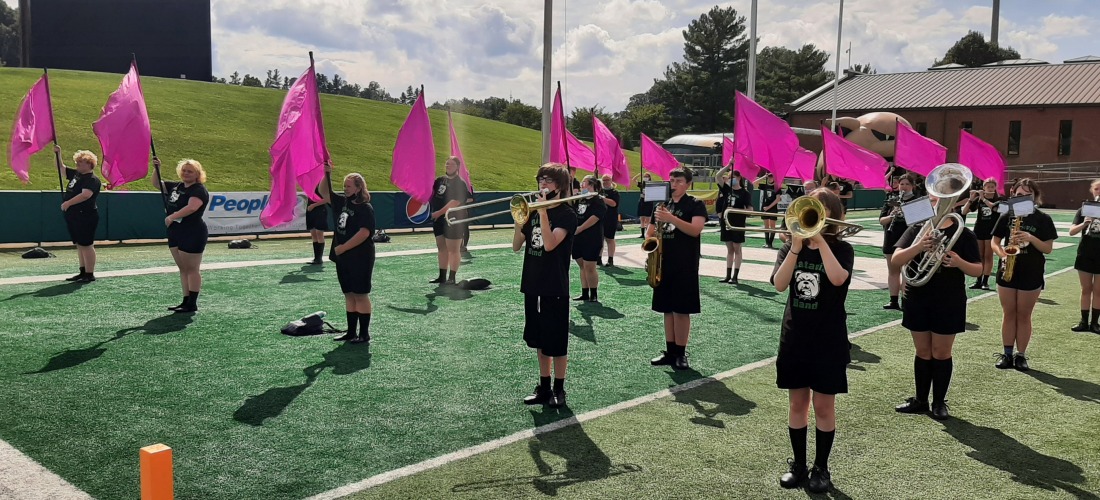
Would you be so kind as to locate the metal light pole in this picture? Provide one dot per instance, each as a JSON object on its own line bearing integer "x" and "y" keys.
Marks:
{"x": 751, "y": 90}
{"x": 547, "y": 55}
{"x": 996, "y": 22}
{"x": 836, "y": 77}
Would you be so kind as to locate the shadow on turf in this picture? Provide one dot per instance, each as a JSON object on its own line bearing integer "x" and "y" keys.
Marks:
{"x": 1027, "y": 466}
{"x": 344, "y": 360}
{"x": 1049, "y": 302}
{"x": 449, "y": 291}
{"x": 302, "y": 275}
{"x": 50, "y": 291}
{"x": 588, "y": 311}
{"x": 74, "y": 357}
{"x": 710, "y": 399}
{"x": 861, "y": 357}
{"x": 584, "y": 460}
{"x": 1080, "y": 390}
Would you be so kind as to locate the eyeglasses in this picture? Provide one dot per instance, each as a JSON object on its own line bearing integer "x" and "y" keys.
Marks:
{"x": 544, "y": 178}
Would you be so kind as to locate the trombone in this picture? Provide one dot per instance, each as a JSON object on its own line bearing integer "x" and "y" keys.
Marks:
{"x": 519, "y": 207}
{"x": 805, "y": 218}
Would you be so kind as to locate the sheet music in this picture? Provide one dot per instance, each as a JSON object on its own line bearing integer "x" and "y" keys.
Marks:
{"x": 1002, "y": 208}
{"x": 657, "y": 192}
{"x": 918, "y": 210}
{"x": 1091, "y": 209}
{"x": 1022, "y": 206}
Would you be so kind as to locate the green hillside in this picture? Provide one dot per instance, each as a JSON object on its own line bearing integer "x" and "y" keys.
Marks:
{"x": 229, "y": 129}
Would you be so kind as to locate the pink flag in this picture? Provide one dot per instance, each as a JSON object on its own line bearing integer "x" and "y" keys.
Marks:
{"x": 805, "y": 161}
{"x": 657, "y": 159}
{"x": 123, "y": 132}
{"x": 916, "y": 152}
{"x": 727, "y": 150}
{"x": 414, "y": 154}
{"x": 456, "y": 151}
{"x": 608, "y": 153}
{"x": 848, "y": 160}
{"x": 564, "y": 147}
{"x": 299, "y": 153}
{"x": 761, "y": 139}
{"x": 33, "y": 128}
{"x": 982, "y": 158}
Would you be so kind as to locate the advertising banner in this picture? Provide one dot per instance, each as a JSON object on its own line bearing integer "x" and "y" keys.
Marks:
{"x": 239, "y": 213}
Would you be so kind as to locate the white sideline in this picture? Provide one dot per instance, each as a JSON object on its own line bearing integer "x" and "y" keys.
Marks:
{"x": 24, "y": 479}
{"x": 432, "y": 463}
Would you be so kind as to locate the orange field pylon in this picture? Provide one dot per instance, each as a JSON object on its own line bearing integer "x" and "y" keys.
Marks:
{"x": 156, "y": 472}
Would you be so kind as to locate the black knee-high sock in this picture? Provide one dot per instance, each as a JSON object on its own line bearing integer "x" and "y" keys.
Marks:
{"x": 364, "y": 325}
{"x": 893, "y": 300}
{"x": 922, "y": 374}
{"x": 584, "y": 293}
{"x": 1095, "y": 316}
{"x": 592, "y": 294}
{"x": 985, "y": 279}
{"x": 544, "y": 383}
{"x": 451, "y": 275}
{"x": 941, "y": 379}
{"x": 1084, "y": 315}
{"x": 670, "y": 348}
{"x": 193, "y": 297}
{"x": 442, "y": 274}
{"x": 559, "y": 384}
{"x": 736, "y": 271}
{"x": 318, "y": 250}
{"x": 729, "y": 272}
{"x": 83, "y": 270}
{"x": 798, "y": 444}
{"x": 824, "y": 447}
{"x": 769, "y": 238}
{"x": 353, "y": 320}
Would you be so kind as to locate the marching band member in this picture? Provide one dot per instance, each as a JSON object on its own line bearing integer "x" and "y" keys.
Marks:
{"x": 893, "y": 223}
{"x": 611, "y": 198}
{"x": 354, "y": 248}
{"x": 732, "y": 194}
{"x": 1034, "y": 238}
{"x": 1088, "y": 264}
{"x": 984, "y": 202}
{"x": 547, "y": 238}
{"x": 187, "y": 233}
{"x": 935, "y": 312}
{"x": 645, "y": 208}
{"x": 813, "y": 345}
{"x": 677, "y": 296}
{"x": 81, "y": 212}
{"x": 449, "y": 191}
{"x": 769, "y": 202}
{"x": 317, "y": 224}
{"x": 588, "y": 239}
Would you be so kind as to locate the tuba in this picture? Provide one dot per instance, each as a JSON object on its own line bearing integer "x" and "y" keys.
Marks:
{"x": 946, "y": 182}
{"x": 653, "y": 247}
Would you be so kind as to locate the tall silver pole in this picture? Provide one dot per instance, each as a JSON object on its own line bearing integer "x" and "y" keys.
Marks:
{"x": 751, "y": 90}
{"x": 836, "y": 78}
{"x": 547, "y": 56}
{"x": 996, "y": 22}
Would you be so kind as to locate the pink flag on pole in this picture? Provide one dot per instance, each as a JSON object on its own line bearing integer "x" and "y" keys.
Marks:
{"x": 33, "y": 128}
{"x": 564, "y": 147}
{"x": 761, "y": 139}
{"x": 608, "y": 153}
{"x": 299, "y": 152}
{"x": 982, "y": 158}
{"x": 414, "y": 154}
{"x": 805, "y": 161}
{"x": 657, "y": 159}
{"x": 848, "y": 160}
{"x": 916, "y": 152}
{"x": 456, "y": 151}
{"x": 123, "y": 132}
{"x": 727, "y": 150}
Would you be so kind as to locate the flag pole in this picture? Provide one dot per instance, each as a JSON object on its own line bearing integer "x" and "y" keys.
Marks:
{"x": 56, "y": 156}
{"x": 328, "y": 175}
{"x": 595, "y": 148}
{"x": 153, "y": 146}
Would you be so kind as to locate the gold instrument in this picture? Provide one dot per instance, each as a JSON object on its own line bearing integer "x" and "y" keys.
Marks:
{"x": 946, "y": 182}
{"x": 805, "y": 218}
{"x": 1011, "y": 251}
{"x": 653, "y": 247}
{"x": 519, "y": 207}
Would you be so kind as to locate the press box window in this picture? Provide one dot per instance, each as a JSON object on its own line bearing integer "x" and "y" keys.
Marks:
{"x": 1014, "y": 137}
{"x": 1065, "y": 137}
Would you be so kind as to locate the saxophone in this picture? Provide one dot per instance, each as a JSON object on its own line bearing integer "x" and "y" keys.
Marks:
{"x": 653, "y": 247}
{"x": 1011, "y": 251}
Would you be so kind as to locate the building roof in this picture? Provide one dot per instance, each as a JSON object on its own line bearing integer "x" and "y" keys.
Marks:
{"x": 1016, "y": 62}
{"x": 997, "y": 86}
{"x": 1082, "y": 59}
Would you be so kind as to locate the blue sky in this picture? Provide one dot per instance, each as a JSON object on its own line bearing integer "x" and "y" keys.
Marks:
{"x": 605, "y": 50}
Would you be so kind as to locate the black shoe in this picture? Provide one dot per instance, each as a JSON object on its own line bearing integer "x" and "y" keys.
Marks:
{"x": 680, "y": 363}
{"x": 75, "y": 277}
{"x": 892, "y": 306}
{"x": 1083, "y": 326}
{"x": 593, "y": 300}
{"x": 911, "y": 406}
{"x": 345, "y": 337}
{"x": 1021, "y": 362}
{"x": 610, "y": 263}
{"x": 176, "y": 308}
{"x": 363, "y": 337}
{"x": 557, "y": 399}
{"x": 539, "y": 397}
{"x": 581, "y": 298}
{"x": 1095, "y": 328}
{"x": 1003, "y": 361}
{"x": 189, "y": 308}
{"x": 87, "y": 278}
{"x": 794, "y": 477}
{"x": 985, "y": 286}
{"x": 976, "y": 286}
{"x": 939, "y": 411}
{"x": 316, "y": 262}
{"x": 449, "y": 282}
{"x": 664, "y": 359}
{"x": 725, "y": 280}
{"x": 820, "y": 480}
{"x": 438, "y": 280}
{"x": 733, "y": 281}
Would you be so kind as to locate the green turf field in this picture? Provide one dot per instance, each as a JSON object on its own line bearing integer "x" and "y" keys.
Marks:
{"x": 91, "y": 373}
{"x": 230, "y": 128}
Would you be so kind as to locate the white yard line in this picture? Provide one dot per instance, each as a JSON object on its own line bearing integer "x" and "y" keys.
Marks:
{"x": 24, "y": 479}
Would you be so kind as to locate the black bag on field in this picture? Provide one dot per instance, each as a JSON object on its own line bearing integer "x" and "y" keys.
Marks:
{"x": 236, "y": 244}
{"x": 380, "y": 236}
{"x": 314, "y": 324}
{"x": 37, "y": 253}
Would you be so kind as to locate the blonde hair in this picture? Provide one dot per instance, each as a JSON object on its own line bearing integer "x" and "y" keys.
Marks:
{"x": 193, "y": 164}
{"x": 361, "y": 184}
{"x": 85, "y": 156}
{"x": 1094, "y": 183}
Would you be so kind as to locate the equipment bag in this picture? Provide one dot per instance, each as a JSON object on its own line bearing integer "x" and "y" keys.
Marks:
{"x": 314, "y": 324}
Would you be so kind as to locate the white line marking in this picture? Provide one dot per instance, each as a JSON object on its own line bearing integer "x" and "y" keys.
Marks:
{"x": 23, "y": 478}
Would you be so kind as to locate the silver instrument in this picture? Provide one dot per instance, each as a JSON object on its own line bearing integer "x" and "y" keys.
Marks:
{"x": 946, "y": 182}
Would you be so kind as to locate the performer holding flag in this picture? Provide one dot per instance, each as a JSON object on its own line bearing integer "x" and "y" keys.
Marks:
{"x": 81, "y": 212}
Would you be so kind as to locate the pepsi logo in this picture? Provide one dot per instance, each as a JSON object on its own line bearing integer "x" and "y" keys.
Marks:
{"x": 416, "y": 212}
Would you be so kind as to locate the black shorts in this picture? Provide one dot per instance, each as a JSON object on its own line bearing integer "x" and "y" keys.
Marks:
{"x": 449, "y": 231}
{"x": 983, "y": 234}
{"x": 773, "y": 210}
{"x": 585, "y": 247}
{"x": 317, "y": 218}
{"x": 546, "y": 324}
{"x": 791, "y": 372}
{"x": 645, "y": 209}
{"x": 935, "y": 313}
{"x": 610, "y": 227}
{"x": 355, "y": 270}
{"x": 730, "y": 235}
{"x": 677, "y": 294}
{"x": 190, "y": 239}
{"x": 1025, "y": 280}
{"x": 1087, "y": 264}
{"x": 82, "y": 227}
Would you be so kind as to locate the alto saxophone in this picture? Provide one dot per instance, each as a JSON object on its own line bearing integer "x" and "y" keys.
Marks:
{"x": 653, "y": 247}
{"x": 1011, "y": 251}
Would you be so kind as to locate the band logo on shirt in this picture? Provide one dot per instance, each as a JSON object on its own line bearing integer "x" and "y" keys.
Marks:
{"x": 807, "y": 285}
{"x": 442, "y": 189}
{"x": 174, "y": 197}
{"x": 72, "y": 182}
{"x": 343, "y": 222}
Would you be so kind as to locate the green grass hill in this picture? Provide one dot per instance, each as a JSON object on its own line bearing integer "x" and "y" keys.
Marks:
{"x": 230, "y": 128}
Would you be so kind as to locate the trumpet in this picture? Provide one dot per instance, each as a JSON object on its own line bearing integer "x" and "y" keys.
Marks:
{"x": 519, "y": 207}
{"x": 805, "y": 218}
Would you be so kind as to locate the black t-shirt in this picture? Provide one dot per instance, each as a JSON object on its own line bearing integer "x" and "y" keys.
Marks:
{"x": 353, "y": 217}
{"x": 546, "y": 273}
{"x": 734, "y": 198}
{"x": 680, "y": 252}
{"x": 815, "y": 323}
{"x": 986, "y": 216}
{"x": 586, "y": 209}
{"x": 846, "y": 188}
{"x": 768, "y": 194}
{"x": 790, "y": 193}
{"x": 446, "y": 190}
{"x": 179, "y": 196}
{"x": 1038, "y": 224}
{"x": 947, "y": 280}
{"x": 612, "y": 213}
{"x": 1090, "y": 237}
{"x": 897, "y": 225}
{"x": 77, "y": 184}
